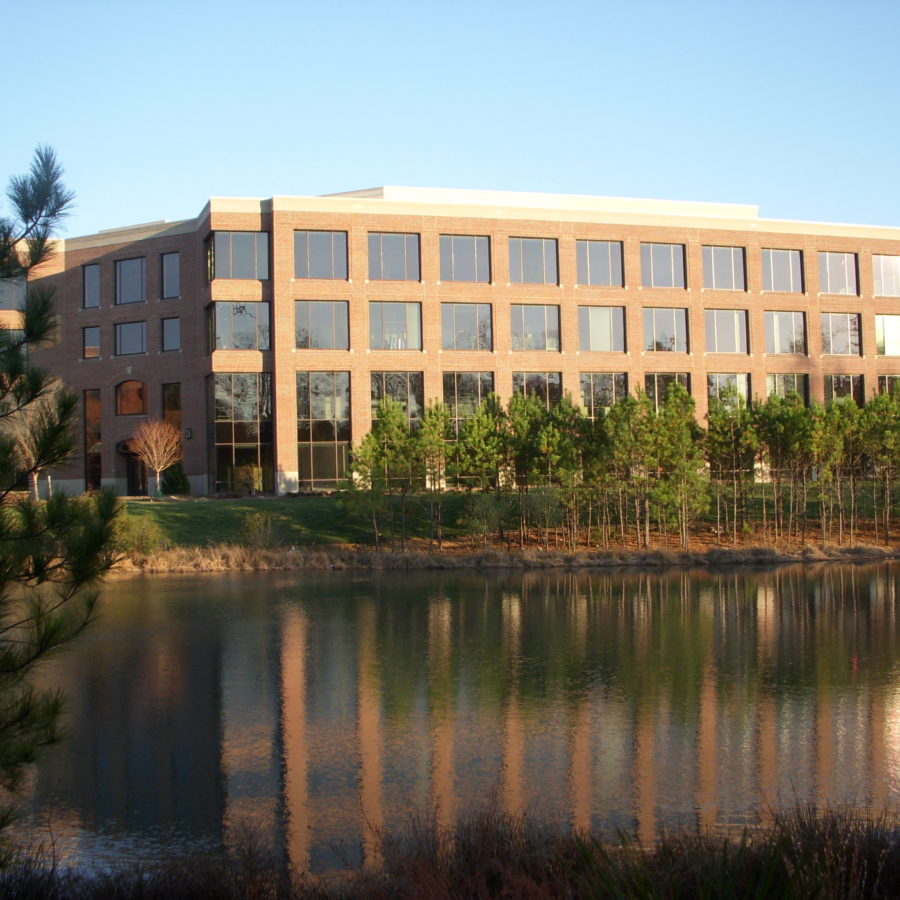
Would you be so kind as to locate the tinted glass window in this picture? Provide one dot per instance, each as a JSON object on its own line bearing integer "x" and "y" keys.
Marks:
{"x": 241, "y": 254}
{"x": 840, "y": 333}
{"x": 91, "y": 283}
{"x": 171, "y": 334}
{"x": 837, "y": 273}
{"x": 723, "y": 268}
{"x": 599, "y": 262}
{"x": 320, "y": 254}
{"x": 726, "y": 330}
{"x": 534, "y": 327}
{"x": 662, "y": 265}
{"x": 785, "y": 332}
{"x": 321, "y": 324}
{"x": 665, "y": 329}
{"x": 783, "y": 271}
{"x": 130, "y": 281}
{"x": 465, "y": 258}
{"x": 533, "y": 261}
{"x": 600, "y": 390}
{"x": 131, "y": 337}
{"x": 466, "y": 326}
{"x": 886, "y": 272}
{"x": 393, "y": 257}
{"x": 395, "y": 326}
{"x": 601, "y": 328}
{"x": 91, "y": 342}
{"x": 171, "y": 276}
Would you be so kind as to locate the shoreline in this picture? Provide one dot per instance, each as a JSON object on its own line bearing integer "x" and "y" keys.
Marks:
{"x": 217, "y": 558}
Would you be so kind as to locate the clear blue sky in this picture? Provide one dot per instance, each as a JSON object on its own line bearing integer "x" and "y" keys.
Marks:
{"x": 154, "y": 107}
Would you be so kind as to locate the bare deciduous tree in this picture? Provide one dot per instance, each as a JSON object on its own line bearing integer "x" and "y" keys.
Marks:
{"x": 157, "y": 444}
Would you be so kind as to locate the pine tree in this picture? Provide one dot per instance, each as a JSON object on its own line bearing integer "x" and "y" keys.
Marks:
{"x": 52, "y": 553}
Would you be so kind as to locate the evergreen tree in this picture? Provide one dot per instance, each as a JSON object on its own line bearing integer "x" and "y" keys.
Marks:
{"x": 53, "y": 553}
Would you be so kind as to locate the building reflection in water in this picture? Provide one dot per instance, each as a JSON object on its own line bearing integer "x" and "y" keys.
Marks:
{"x": 327, "y": 711}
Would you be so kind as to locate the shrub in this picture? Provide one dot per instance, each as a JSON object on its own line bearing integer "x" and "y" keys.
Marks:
{"x": 174, "y": 481}
{"x": 260, "y": 530}
{"x": 139, "y": 535}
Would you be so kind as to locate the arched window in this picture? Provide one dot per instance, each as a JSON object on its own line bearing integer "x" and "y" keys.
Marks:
{"x": 131, "y": 398}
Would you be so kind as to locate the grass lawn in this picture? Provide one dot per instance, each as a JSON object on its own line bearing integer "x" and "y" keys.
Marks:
{"x": 300, "y": 520}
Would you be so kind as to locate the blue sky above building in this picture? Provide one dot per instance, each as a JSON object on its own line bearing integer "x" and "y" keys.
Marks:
{"x": 153, "y": 108}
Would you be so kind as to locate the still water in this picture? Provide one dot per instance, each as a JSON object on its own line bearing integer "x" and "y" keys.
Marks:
{"x": 322, "y": 708}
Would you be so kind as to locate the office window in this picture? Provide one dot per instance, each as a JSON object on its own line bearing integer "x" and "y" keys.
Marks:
{"x": 720, "y": 385}
{"x": 465, "y": 258}
{"x": 886, "y": 270}
{"x": 466, "y": 326}
{"x": 599, "y": 263}
{"x": 837, "y": 273}
{"x": 395, "y": 326}
{"x": 657, "y": 384}
{"x": 240, "y": 326}
{"x": 726, "y": 330}
{"x": 724, "y": 269}
{"x": 239, "y": 254}
{"x": 131, "y": 398}
{"x": 782, "y": 385}
{"x": 600, "y": 390}
{"x": 783, "y": 271}
{"x": 131, "y": 337}
{"x": 407, "y": 388}
{"x": 321, "y": 324}
{"x": 242, "y": 404}
{"x": 93, "y": 442}
{"x": 665, "y": 329}
{"x": 320, "y": 254}
{"x": 12, "y": 293}
{"x": 601, "y": 328}
{"x": 887, "y": 335}
{"x": 90, "y": 342}
{"x": 534, "y": 327}
{"x": 546, "y": 385}
{"x": 90, "y": 283}
{"x": 464, "y": 392}
{"x": 662, "y": 265}
{"x": 393, "y": 257}
{"x": 837, "y": 387}
{"x": 785, "y": 332}
{"x": 840, "y": 334}
{"x": 323, "y": 427}
{"x": 171, "y": 403}
{"x": 171, "y": 276}
{"x": 533, "y": 261}
{"x": 131, "y": 281}
{"x": 171, "y": 334}
{"x": 890, "y": 384}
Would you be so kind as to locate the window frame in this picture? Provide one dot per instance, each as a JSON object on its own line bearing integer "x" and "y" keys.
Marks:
{"x": 711, "y": 269}
{"x": 519, "y": 337}
{"x": 772, "y": 325}
{"x": 682, "y": 378}
{"x": 262, "y": 329}
{"x": 796, "y": 268}
{"x": 521, "y": 264}
{"x": 91, "y": 291}
{"x": 650, "y": 251}
{"x": 740, "y": 325}
{"x": 413, "y": 404}
{"x": 883, "y": 337}
{"x": 222, "y": 258}
{"x": 879, "y": 281}
{"x": 165, "y": 338}
{"x": 412, "y": 262}
{"x": 827, "y": 259}
{"x": 589, "y": 254}
{"x": 775, "y": 385}
{"x": 120, "y": 336}
{"x": 618, "y": 380}
{"x": 140, "y": 394}
{"x": 86, "y": 347}
{"x": 123, "y": 297}
{"x": 616, "y": 330}
{"x": 828, "y": 335}
{"x": 856, "y": 388}
{"x": 166, "y": 276}
{"x": 339, "y": 261}
{"x": 481, "y": 258}
{"x": 551, "y": 390}
{"x": 652, "y": 346}
{"x": 484, "y": 341}
{"x": 412, "y": 311}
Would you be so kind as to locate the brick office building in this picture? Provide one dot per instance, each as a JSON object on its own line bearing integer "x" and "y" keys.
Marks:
{"x": 268, "y": 329}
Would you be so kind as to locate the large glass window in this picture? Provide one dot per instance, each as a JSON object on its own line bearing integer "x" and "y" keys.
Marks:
{"x": 131, "y": 398}
{"x": 534, "y": 327}
{"x": 395, "y": 326}
{"x": 171, "y": 334}
{"x": 889, "y": 384}
{"x": 241, "y": 326}
{"x": 721, "y": 385}
{"x": 242, "y": 413}
{"x": 463, "y": 393}
{"x": 724, "y": 269}
{"x": 466, "y": 326}
{"x": 784, "y": 384}
{"x": 785, "y": 332}
{"x": 465, "y": 258}
{"x": 601, "y": 328}
{"x": 320, "y": 254}
{"x": 239, "y": 254}
{"x": 726, "y": 330}
{"x": 600, "y": 390}
{"x": 887, "y": 335}
{"x": 599, "y": 263}
{"x": 90, "y": 283}
{"x": 662, "y": 265}
{"x": 838, "y": 387}
{"x": 322, "y": 324}
{"x": 407, "y": 388}
{"x": 533, "y": 261}
{"x": 131, "y": 338}
{"x": 12, "y": 293}
{"x": 665, "y": 329}
{"x": 93, "y": 443}
{"x": 546, "y": 385}
{"x": 837, "y": 273}
{"x": 886, "y": 271}
{"x": 840, "y": 334}
{"x": 783, "y": 271}
{"x": 657, "y": 384}
{"x": 131, "y": 280}
{"x": 393, "y": 257}
{"x": 90, "y": 342}
{"x": 323, "y": 427}
{"x": 171, "y": 275}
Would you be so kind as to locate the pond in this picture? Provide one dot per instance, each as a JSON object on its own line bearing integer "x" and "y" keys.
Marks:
{"x": 320, "y": 709}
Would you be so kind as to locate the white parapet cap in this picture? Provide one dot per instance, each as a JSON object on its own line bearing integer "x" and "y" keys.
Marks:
{"x": 562, "y": 202}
